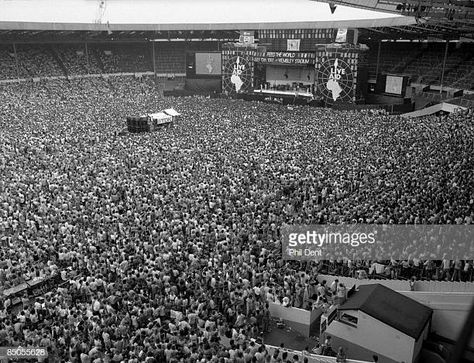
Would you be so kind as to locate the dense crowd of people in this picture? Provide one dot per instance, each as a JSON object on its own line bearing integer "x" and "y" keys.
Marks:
{"x": 170, "y": 241}
{"x": 52, "y": 60}
{"x": 78, "y": 60}
{"x": 136, "y": 58}
{"x": 7, "y": 60}
{"x": 70, "y": 59}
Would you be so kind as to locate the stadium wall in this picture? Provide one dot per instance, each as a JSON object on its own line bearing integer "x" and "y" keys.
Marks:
{"x": 199, "y": 85}
{"x": 303, "y": 321}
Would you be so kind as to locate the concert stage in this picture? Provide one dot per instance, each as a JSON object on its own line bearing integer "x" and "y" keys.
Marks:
{"x": 334, "y": 73}
{"x": 281, "y": 97}
{"x": 277, "y": 93}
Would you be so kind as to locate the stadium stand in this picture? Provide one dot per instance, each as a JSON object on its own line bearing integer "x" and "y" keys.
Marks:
{"x": 7, "y": 59}
{"x": 170, "y": 57}
{"x": 424, "y": 62}
{"x": 75, "y": 60}
{"x": 37, "y": 61}
{"x": 124, "y": 58}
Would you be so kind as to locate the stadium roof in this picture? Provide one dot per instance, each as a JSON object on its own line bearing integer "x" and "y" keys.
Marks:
{"x": 390, "y": 307}
{"x": 448, "y": 19}
{"x": 169, "y": 15}
{"x": 142, "y": 20}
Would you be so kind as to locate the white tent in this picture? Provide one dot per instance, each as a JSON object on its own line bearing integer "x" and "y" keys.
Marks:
{"x": 172, "y": 112}
{"x": 160, "y": 118}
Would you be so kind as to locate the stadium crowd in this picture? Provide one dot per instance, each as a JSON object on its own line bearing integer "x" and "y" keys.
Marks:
{"x": 170, "y": 241}
{"x": 66, "y": 60}
{"x": 77, "y": 60}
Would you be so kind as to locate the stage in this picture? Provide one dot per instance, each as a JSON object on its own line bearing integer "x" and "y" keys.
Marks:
{"x": 277, "y": 93}
{"x": 281, "y": 97}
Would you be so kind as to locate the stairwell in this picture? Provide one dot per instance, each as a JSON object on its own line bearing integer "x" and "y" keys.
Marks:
{"x": 58, "y": 60}
{"x": 98, "y": 59}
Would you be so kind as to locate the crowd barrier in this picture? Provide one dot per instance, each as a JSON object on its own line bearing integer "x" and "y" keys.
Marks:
{"x": 404, "y": 285}
{"x": 312, "y": 358}
{"x": 95, "y": 75}
{"x": 443, "y": 106}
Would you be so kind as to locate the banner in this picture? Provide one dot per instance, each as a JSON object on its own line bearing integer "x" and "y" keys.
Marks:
{"x": 247, "y": 37}
{"x": 285, "y": 58}
{"x": 341, "y": 36}
{"x": 237, "y": 72}
{"x": 41, "y": 287}
{"x": 35, "y": 288}
{"x": 293, "y": 45}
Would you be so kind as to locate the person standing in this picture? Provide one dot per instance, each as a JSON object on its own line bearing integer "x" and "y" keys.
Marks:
{"x": 341, "y": 356}
{"x": 341, "y": 294}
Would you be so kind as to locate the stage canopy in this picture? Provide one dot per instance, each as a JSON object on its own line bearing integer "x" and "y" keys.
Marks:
{"x": 172, "y": 112}
{"x": 159, "y": 116}
{"x": 163, "y": 15}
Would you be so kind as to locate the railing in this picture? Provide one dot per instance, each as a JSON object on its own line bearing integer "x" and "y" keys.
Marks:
{"x": 96, "y": 75}
{"x": 312, "y": 358}
{"x": 403, "y": 285}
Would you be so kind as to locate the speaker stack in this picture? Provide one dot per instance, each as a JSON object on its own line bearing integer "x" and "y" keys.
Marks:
{"x": 138, "y": 124}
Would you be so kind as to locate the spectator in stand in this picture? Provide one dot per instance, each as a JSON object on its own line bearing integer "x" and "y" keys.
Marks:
{"x": 334, "y": 286}
{"x": 458, "y": 266}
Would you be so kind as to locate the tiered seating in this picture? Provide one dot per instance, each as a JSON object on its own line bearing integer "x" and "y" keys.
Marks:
{"x": 425, "y": 63}
{"x": 59, "y": 60}
{"x": 7, "y": 61}
{"x": 125, "y": 58}
{"x": 429, "y": 63}
{"x": 75, "y": 60}
{"x": 393, "y": 57}
{"x": 170, "y": 57}
{"x": 37, "y": 61}
{"x": 463, "y": 77}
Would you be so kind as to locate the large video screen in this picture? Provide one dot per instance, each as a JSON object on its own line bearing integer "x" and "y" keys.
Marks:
{"x": 394, "y": 85}
{"x": 208, "y": 64}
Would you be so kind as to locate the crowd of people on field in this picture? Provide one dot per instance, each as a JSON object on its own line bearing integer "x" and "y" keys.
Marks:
{"x": 171, "y": 241}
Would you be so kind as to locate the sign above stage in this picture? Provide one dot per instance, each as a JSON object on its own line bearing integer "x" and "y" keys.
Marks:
{"x": 247, "y": 37}
{"x": 296, "y": 58}
{"x": 293, "y": 45}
